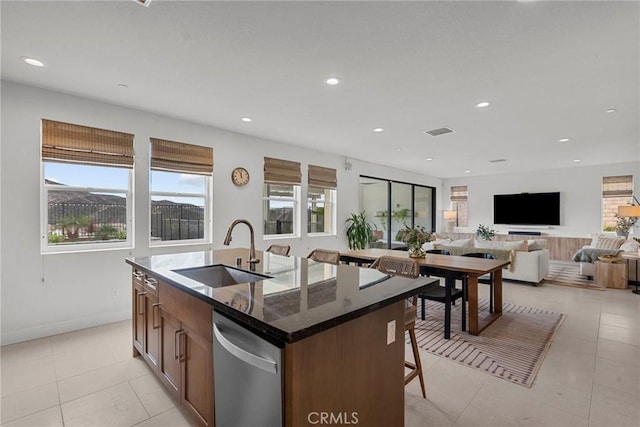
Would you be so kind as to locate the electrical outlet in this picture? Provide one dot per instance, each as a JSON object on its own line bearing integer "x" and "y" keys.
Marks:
{"x": 391, "y": 332}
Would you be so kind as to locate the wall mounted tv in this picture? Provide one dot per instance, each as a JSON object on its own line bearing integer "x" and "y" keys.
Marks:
{"x": 526, "y": 209}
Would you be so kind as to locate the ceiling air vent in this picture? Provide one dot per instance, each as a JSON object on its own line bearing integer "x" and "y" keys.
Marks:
{"x": 437, "y": 132}
{"x": 497, "y": 160}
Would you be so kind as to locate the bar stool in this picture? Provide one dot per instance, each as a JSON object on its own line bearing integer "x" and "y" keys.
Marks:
{"x": 279, "y": 249}
{"x": 324, "y": 255}
{"x": 406, "y": 268}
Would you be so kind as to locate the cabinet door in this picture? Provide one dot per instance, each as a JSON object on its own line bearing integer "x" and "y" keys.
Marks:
{"x": 196, "y": 354}
{"x": 169, "y": 362}
{"x": 151, "y": 331}
{"x": 138, "y": 316}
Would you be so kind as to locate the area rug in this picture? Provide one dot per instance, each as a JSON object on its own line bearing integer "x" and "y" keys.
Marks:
{"x": 512, "y": 348}
{"x": 568, "y": 274}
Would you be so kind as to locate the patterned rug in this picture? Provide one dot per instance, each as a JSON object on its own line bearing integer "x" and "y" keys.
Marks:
{"x": 512, "y": 348}
{"x": 568, "y": 274}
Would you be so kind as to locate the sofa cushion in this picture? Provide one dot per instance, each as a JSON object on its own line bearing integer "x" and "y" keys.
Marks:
{"x": 630, "y": 246}
{"x": 601, "y": 241}
{"x": 461, "y": 243}
{"x": 536, "y": 244}
{"x": 519, "y": 245}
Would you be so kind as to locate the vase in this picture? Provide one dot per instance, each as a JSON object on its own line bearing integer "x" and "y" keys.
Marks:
{"x": 624, "y": 234}
{"x": 417, "y": 252}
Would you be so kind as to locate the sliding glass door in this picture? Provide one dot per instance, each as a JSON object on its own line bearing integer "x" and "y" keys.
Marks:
{"x": 392, "y": 205}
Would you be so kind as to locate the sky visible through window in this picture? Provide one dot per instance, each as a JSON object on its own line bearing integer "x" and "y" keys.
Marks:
{"x": 77, "y": 175}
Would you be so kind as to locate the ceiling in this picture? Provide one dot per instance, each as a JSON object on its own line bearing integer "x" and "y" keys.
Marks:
{"x": 549, "y": 69}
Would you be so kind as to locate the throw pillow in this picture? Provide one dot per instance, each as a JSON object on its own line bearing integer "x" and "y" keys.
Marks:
{"x": 601, "y": 241}
{"x": 630, "y": 246}
{"x": 536, "y": 244}
{"x": 461, "y": 243}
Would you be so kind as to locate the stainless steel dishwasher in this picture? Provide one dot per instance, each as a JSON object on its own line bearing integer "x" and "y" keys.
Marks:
{"x": 247, "y": 377}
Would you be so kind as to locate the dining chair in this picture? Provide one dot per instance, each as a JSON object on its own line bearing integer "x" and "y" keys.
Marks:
{"x": 279, "y": 249}
{"x": 406, "y": 268}
{"x": 435, "y": 292}
{"x": 483, "y": 279}
{"x": 324, "y": 255}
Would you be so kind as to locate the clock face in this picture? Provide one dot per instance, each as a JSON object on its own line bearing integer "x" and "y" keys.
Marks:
{"x": 240, "y": 302}
{"x": 240, "y": 176}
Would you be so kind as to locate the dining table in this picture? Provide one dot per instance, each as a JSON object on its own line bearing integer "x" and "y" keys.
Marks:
{"x": 452, "y": 267}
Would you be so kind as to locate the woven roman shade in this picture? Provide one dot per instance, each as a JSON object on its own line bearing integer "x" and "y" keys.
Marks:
{"x": 459, "y": 193}
{"x": 278, "y": 171}
{"x": 617, "y": 186}
{"x": 322, "y": 177}
{"x": 69, "y": 143}
{"x": 174, "y": 156}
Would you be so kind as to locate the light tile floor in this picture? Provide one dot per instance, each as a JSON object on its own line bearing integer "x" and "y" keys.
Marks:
{"x": 590, "y": 377}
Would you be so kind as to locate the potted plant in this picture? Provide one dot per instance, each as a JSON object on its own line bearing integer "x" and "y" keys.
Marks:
{"x": 485, "y": 232}
{"x": 624, "y": 224}
{"x": 359, "y": 231}
{"x": 414, "y": 238}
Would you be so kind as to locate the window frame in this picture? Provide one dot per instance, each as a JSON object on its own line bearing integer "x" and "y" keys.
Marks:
{"x": 332, "y": 202}
{"x": 89, "y": 246}
{"x": 620, "y": 200}
{"x": 296, "y": 199}
{"x": 208, "y": 220}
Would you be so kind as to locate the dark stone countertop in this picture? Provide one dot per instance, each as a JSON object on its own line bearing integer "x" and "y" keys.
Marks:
{"x": 300, "y": 298}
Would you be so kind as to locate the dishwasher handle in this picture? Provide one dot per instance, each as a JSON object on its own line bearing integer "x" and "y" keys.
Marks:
{"x": 247, "y": 357}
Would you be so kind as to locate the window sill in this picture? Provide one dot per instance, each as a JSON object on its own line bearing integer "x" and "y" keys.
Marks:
{"x": 321, "y": 235}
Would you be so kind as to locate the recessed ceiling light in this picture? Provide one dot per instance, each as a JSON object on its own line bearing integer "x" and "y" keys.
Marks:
{"x": 483, "y": 104}
{"x": 397, "y": 149}
{"x": 577, "y": 161}
{"x": 428, "y": 159}
{"x": 32, "y": 61}
{"x": 378, "y": 130}
{"x": 611, "y": 110}
{"x": 332, "y": 81}
{"x": 467, "y": 171}
{"x": 246, "y": 119}
{"x": 565, "y": 140}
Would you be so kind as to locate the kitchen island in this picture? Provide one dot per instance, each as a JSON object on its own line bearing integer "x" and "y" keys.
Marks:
{"x": 338, "y": 328}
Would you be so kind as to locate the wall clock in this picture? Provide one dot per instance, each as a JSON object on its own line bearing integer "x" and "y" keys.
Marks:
{"x": 240, "y": 176}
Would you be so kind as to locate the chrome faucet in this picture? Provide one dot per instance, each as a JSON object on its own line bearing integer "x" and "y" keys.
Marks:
{"x": 252, "y": 249}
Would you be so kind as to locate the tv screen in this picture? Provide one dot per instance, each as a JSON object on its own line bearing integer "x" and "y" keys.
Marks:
{"x": 526, "y": 209}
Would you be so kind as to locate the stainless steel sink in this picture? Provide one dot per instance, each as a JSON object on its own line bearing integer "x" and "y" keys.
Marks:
{"x": 220, "y": 275}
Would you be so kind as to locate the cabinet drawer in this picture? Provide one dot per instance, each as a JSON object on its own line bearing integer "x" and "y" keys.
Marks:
{"x": 191, "y": 311}
{"x": 149, "y": 283}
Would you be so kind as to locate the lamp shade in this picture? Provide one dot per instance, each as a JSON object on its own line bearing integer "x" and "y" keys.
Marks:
{"x": 629, "y": 211}
{"x": 449, "y": 215}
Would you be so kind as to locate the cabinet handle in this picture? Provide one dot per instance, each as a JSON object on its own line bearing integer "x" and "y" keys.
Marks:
{"x": 176, "y": 345}
{"x": 154, "y": 308}
{"x": 183, "y": 345}
{"x": 151, "y": 282}
{"x": 141, "y": 305}
{"x": 137, "y": 275}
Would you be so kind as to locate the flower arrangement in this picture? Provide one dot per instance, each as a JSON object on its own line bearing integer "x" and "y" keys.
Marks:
{"x": 414, "y": 238}
{"x": 485, "y": 232}
{"x": 624, "y": 223}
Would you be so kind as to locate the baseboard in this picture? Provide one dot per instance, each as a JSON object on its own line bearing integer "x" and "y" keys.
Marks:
{"x": 49, "y": 329}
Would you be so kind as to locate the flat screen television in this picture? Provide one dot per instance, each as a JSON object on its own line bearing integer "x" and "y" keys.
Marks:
{"x": 526, "y": 209}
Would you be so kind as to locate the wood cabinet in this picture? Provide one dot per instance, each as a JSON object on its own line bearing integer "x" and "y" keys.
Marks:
{"x": 173, "y": 332}
{"x": 611, "y": 274}
{"x": 145, "y": 303}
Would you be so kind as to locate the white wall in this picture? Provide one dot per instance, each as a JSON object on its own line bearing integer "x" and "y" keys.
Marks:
{"x": 49, "y": 294}
{"x": 580, "y": 190}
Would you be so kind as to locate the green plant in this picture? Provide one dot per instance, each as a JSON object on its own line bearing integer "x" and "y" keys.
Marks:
{"x": 485, "y": 232}
{"x": 358, "y": 231}
{"x": 107, "y": 232}
{"x": 401, "y": 215}
{"x": 609, "y": 228}
{"x": 71, "y": 225}
{"x": 55, "y": 238}
{"x": 122, "y": 235}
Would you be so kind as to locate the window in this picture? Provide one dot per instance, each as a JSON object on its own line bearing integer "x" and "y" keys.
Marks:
{"x": 616, "y": 191}
{"x": 321, "y": 200}
{"x": 86, "y": 187}
{"x": 460, "y": 205}
{"x": 281, "y": 198}
{"x": 181, "y": 176}
{"x": 390, "y": 205}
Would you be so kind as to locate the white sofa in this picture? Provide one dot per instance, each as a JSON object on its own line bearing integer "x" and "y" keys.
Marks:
{"x": 529, "y": 258}
{"x": 608, "y": 244}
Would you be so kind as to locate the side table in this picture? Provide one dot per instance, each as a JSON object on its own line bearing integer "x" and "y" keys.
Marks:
{"x": 611, "y": 274}
{"x": 632, "y": 258}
